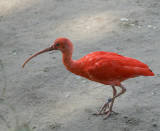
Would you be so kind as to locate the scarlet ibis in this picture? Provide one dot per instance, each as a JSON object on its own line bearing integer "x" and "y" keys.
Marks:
{"x": 104, "y": 67}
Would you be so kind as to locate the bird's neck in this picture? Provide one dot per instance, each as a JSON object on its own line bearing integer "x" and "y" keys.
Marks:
{"x": 67, "y": 60}
{"x": 73, "y": 66}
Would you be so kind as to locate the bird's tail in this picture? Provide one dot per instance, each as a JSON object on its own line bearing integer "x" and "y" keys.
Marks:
{"x": 144, "y": 71}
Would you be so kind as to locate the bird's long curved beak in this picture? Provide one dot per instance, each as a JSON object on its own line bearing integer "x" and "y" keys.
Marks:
{"x": 40, "y": 52}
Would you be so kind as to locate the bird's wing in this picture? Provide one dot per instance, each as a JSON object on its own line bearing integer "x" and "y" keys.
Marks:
{"x": 104, "y": 69}
{"x": 111, "y": 66}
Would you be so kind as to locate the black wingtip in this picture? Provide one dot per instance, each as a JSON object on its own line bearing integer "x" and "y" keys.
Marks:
{"x": 150, "y": 70}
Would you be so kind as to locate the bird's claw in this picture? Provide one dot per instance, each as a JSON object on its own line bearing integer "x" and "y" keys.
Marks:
{"x": 108, "y": 113}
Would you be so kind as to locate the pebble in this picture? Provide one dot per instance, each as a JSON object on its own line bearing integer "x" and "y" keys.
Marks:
{"x": 124, "y": 19}
{"x": 153, "y": 93}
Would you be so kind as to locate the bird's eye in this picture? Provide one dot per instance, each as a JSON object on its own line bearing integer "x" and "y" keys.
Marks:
{"x": 57, "y": 44}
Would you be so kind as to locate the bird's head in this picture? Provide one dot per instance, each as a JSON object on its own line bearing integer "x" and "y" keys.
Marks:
{"x": 62, "y": 44}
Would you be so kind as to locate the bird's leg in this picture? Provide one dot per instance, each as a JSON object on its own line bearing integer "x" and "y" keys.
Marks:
{"x": 113, "y": 98}
{"x": 122, "y": 91}
{"x": 114, "y": 93}
{"x": 111, "y": 106}
{"x": 103, "y": 109}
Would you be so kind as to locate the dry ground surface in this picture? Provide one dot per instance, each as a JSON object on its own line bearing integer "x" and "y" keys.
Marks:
{"x": 49, "y": 98}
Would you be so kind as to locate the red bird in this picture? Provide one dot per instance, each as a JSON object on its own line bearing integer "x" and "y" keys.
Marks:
{"x": 104, "y": 67}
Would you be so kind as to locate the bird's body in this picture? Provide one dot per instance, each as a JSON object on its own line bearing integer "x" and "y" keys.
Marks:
{"x": 104, "y": 67}
{"x": 107, "y": 67}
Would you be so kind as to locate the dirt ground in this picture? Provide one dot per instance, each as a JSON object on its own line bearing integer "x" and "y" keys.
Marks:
{"x": 45, "y": 95}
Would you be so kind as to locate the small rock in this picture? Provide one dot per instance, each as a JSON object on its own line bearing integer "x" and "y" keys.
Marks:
{"x": 124, "y": 19}
{"x": 67, "y": 95}
{"x": 151, "y": 26}
{"x": 153, "y": 93}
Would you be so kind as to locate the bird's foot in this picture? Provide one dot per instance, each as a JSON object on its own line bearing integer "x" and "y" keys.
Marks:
{"x": 104, "y": 107}
{"x": 104, "y": 110}
{"x": 108, "y": 113}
